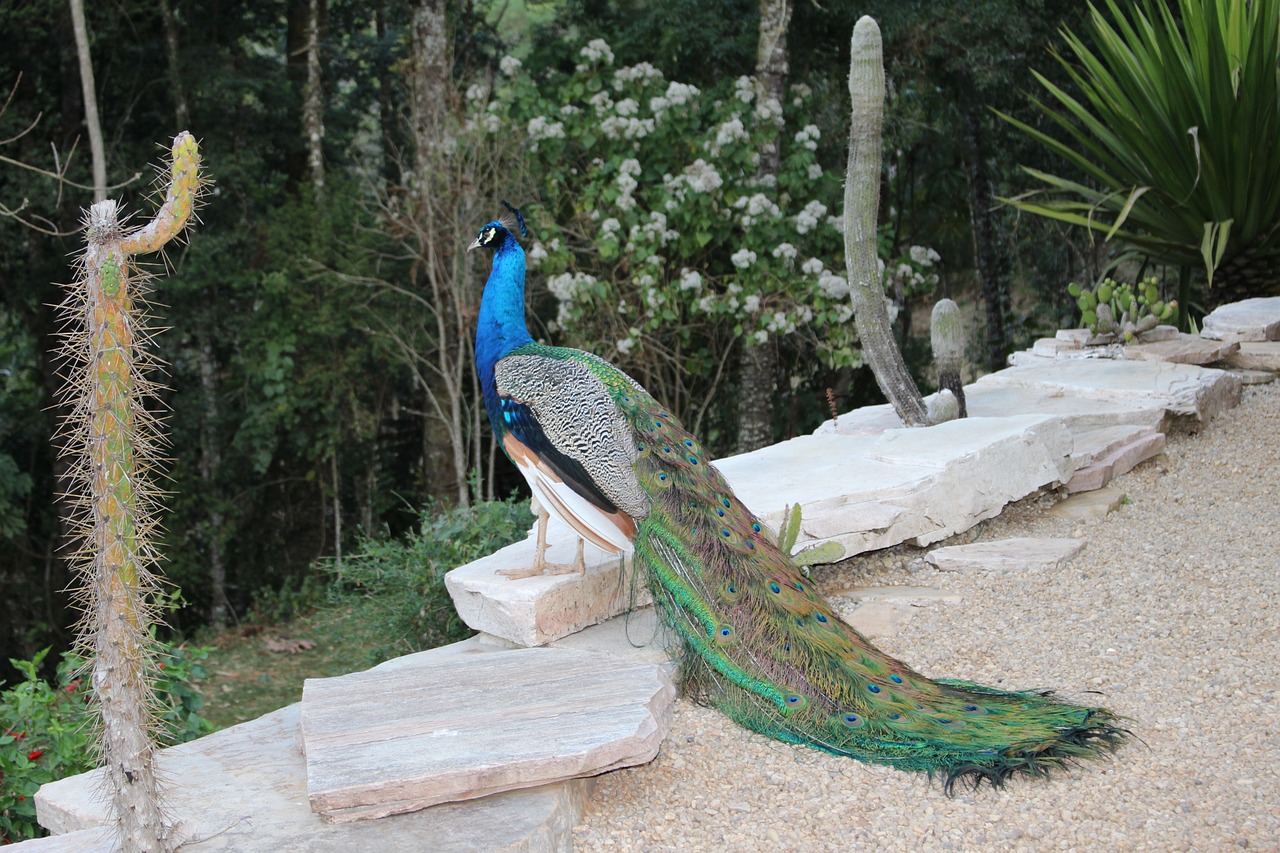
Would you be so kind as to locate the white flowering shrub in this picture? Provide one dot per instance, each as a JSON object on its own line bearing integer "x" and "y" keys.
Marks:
{"x": 653, "y": 231}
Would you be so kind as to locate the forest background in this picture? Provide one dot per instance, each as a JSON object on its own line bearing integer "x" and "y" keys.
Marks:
{"x": 684, "y": 217}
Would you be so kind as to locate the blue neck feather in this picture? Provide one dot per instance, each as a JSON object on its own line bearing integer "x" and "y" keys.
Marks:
{"x": 501, "y": 327}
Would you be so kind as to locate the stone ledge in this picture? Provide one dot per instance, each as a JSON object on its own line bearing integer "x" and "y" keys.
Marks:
{"x": 429, "y": 731}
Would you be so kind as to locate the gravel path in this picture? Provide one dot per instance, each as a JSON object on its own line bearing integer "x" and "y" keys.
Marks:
{"x": 1170, "y": 617}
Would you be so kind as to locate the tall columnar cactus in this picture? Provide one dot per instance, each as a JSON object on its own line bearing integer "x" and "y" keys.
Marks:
{"x": 946, "y": 334}
{"x": 861, "y": 206}
{"x": 114, "y": 443}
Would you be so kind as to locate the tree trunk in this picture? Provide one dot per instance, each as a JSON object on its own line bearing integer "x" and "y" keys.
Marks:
{"x": 861, "y": 207}
{"x": 87, "y": 86}
{"x": 210, "y": 463}
{"x": 313, "y": 103}
{"x": 986, "y": 248}
{"x": 760, "y": 360}
{"x": 386, "y": 115}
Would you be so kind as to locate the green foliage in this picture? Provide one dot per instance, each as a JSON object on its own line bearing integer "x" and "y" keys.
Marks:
{"x": 407, "y": 575}
{"x": 1176, "y": 130}
{"x": 46, "y": 729}
{"x": 1123, "y": 310}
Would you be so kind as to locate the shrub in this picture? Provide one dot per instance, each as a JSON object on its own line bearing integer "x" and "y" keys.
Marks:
{"x": 46, "y": 731}
{"x": 405, "y": 577}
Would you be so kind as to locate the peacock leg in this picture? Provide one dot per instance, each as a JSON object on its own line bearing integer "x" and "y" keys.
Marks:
{"x": 540, "y": 565}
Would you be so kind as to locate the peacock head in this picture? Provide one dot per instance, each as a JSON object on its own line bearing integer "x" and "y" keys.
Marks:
{"x": 492, "y": 234}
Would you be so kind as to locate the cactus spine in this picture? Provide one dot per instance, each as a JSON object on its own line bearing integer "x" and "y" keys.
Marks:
{"x": 946, "y": 334}
{"x": 861, "y": 206}
{"x": 114, "y": 444}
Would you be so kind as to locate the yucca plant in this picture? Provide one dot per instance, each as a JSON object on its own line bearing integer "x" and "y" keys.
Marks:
{"x": 1177, "y": 132}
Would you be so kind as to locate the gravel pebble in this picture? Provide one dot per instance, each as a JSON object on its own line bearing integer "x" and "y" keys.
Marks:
{"x": 1169, "y": 617}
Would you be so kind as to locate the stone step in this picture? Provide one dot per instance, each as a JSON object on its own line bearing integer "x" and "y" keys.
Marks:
{"x": 426, "y": 731}
{"x": 1105, "y": 455}
{"x": 245, "y": 789}
{"x": 1255, "y": 355}
{"x": 865, "y": 482}
{"x": 1183, "y": 349}
{"x": 863, "y": 491}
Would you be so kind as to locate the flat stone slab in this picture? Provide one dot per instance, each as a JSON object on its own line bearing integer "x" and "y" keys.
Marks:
{"x": 1184, "y": 349}
{"x": 399, "y": 739}
{"x": 535, "y": 611}
{"x": 1255, "y": 355}
{"x": 1247, "y": 320}
{"x": 863, "y": 491}
{"x": 1089, "y": 506}
{"x": 243, "y": 790}
{"x": 1016, "y": 554}
{"x": 1181, "y": 389}
{"x": 1117, "y": 461}
{"x": 882, "y": 611}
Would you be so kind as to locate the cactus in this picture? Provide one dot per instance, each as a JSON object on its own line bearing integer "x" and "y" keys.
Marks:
{"x": 946, "y": 334}
{"x": 114, "y": 442}
{"x": 1121, "y": 309}
{"x": 861, "y": 205}
{"x": 823, "y": 552}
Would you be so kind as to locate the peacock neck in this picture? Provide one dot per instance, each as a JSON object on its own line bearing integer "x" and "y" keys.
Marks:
{"x": 501, "y": 326}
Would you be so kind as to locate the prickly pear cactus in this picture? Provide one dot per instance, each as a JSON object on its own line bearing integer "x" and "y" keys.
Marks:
{"x": 1122, "y": 310}
{"x": 114, "y": 443}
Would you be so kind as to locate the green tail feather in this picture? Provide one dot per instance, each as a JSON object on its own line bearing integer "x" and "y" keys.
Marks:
{"x": 763, "y": 647}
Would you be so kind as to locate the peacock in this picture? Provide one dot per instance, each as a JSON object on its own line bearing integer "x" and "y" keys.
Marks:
{"x": 759, "y": 642}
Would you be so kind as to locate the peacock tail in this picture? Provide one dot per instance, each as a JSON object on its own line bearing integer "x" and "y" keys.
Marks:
{"x": 759, "y": 643}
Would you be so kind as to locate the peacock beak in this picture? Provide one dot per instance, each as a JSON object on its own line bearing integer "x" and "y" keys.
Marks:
{"x": 475, "y": 244}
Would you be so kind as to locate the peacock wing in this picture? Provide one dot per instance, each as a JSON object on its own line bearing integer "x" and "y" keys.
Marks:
{"x": 567, "y": 435}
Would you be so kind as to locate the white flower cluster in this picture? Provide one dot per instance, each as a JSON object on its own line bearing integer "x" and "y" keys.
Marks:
{"x": 815, "y": 171}
{"x": 567, "y": 110}
{"x": 743, "y": 258}
{"x": 643, "y": 71}
{"x": 621, "y": 127}
{"x": 566, "y": 285}
{"x": 809, "y": 136}
{"x": 744, "y": 89}
{"x": 785, "y": 252}
{"x": 677, "y": 95}
{"x": 655, "y": 229}
{"x": 610, "y": 226}
{"x": 541, "y": 127}
{"x": 768, "y": 110}
{"x": 728, "y": 133}
{"x": 477, "y": 93}
{"x": 781, "y": 323}
{"x": 751, "y": 303}
{"x": 601, "y": 101}
{"x": 509, "y": 65}
{"x": 756, "y": 207}
{"x": 537, "y": 253}
{"x": 801, "y": 93}
{"x": 630, "y": 166}
{"x": 832, "y": 286}
{"x": 699, "y": 177}
{"x": 707, "y": 304}
{"x": 690, "y": 280}
{"x": 627, "y": 107}
{"x": 596, "y": 50}
{"x": 626, "y": 344}
{"x": 813, "y": 266}
{"x": 924, "y": 256}
{"x": 808, "y": 219}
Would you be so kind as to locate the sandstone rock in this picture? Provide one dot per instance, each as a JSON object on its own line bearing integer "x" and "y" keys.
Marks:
{"x": 1117, "y": 461}
{"x": 1255, "y": 355}
{"x": 425, "y": 732}
{"x": 1248, "y": 320}
{"x": 1021, "y": 553}
{"x": 243, "y": 790}
{"x": 1184, "y": 349}
{"x": 1089, "y": 506}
